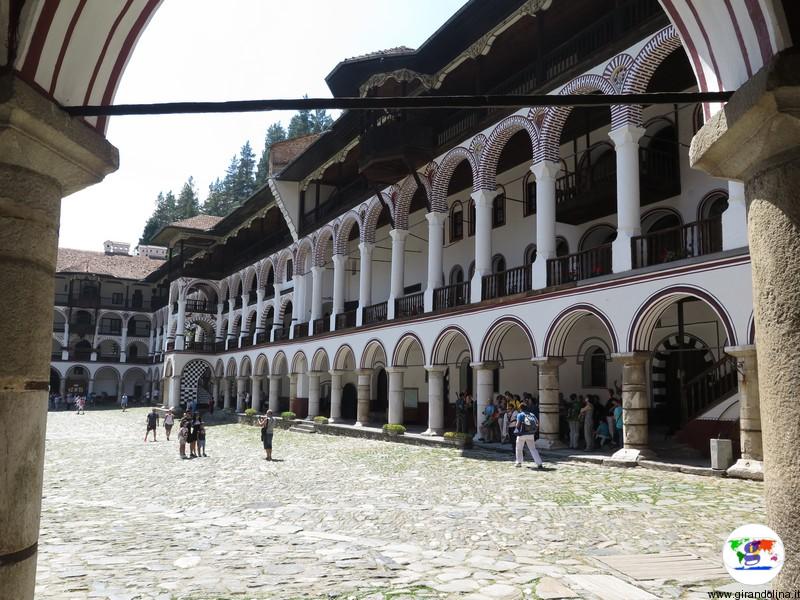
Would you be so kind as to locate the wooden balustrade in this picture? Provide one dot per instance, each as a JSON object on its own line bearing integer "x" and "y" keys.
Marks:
{"x": 581, "y": 265}
{"x": 450, "y": 296}
{"x": 506, "y": 283}
{"x": 410, "y": 306}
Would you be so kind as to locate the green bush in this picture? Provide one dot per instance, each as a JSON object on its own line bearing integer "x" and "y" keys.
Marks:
{"x": 452, "y": 435}
{"x": 288, "y": 415}
{"x": 393, "y": 428}
{"x": 250, "y": 412}
{"x": 321, "y": 420}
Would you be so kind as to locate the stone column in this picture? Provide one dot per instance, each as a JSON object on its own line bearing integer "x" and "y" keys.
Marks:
{"x": 548, "y": 402}
{"x": 484, "y": 388}
{"x": 65, "y": 343}
{"x": 397, "y": 281}
{"x": 274, "y": 393}
{"x": 750, "y": 465}
{"x": 364, "y": 280}
{"x": 62, "y": 388}
{"x": 89, "y": 386}
{"x": 483, "y": 241}
{"x": 316, "y": 293}
{"x": 336, "y": 396}
{"x": 229, "y": 333}
{"x": 215, "y": 392}
{"x": 151, "y": 343}
{"x": 123, "y": 346}
{"x": 255, "y": 390}
{"x": 121, "y": 389}
{"x": 635, "y": 405}
{"x": 435, "y": 400}
{"x": 174, "y": 384}
{"x": 313, "y": 394}
{"x": 218, "y": 335}
{"x": 293, "y": 392}
{"x": 734, "y": 219}
{"x": 545, "y": 173}
{"x": 362, "y": 410}
{"x": 243, "y": 328}
{"x": 259, "y": 314}
{"x": 180, "y": 329}
{"x": 435, "y": 251}
{"x": 396, "y": 395}
{"x": 153, "y": 388}
{"x": 241, "y": 386}
{"x": 44, "y": 156}
{"x": 629, "y": 222}
{"x": 755, "y": 138}
{"x": 226, "y": 392}
{"x": 339, "y": 266}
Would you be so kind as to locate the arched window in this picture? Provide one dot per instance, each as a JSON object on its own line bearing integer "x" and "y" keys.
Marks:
{"x": 597, "y": 236}
{"x": 456, "y": 221}
{"x": 562, "y": 246}
{"x": 529, "y": 190}
{"x": 713, "y": 205}
{"x": 530, "y": 255}
{"x": 499, "y": 209}
{"x": 472, "y": 217}
{"x": 594, "y": 368}
{"x": 456, "y": 275}
{"x": 659, "y": 220}
{"x": 498, "y": 263}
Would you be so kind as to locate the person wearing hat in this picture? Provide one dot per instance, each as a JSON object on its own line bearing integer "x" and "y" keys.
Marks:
{"x": 169, "y": 421}
{"x": 267, "y": 424}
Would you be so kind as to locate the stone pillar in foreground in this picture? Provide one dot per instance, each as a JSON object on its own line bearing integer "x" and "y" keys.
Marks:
{"x": 336, "y": 396}
{"x": 635, "y": 407}
{"x": 274, "y": 393}
{"x": 755, "y": 138}
{"x": 255, "y": 390}
{"x": 548, "y": 402}
{"x": 396, "y": 400}
{"x": 362, "y": 409}
{"x": 293, "y": 377}
{"x": 435, "y": 400}
{"x": 313, "y": 394}
{"x": 484, "y": 388}
{"x": 241, "y": 386}
{"x": 750, "y": 465}
{"x": 226, "y": 392}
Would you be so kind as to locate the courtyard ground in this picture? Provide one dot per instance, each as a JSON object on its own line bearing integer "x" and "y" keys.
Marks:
{"x": 353, "y": 518}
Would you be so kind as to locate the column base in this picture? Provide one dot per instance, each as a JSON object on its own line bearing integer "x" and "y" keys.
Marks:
{"x": 431, "y": 432}
{"x": 746, "y": 468}
{"x": 427, "y": 300}
{"x": 550, "y": 444}
{"x": 629, "y": 457}
{"x": 358, "y": 424}
{"x": 332, "y": 420}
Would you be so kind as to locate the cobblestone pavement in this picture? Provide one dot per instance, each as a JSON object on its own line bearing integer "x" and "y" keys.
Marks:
{"x": 353, "y": 518}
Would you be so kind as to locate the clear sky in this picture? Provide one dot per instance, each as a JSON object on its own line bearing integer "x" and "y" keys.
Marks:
{"x": 232, "y": 50}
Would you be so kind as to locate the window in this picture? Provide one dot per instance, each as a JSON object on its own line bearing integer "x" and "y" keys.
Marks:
{"x": 456, "y": 222}
{"x": 594, "y": 368}
{"x": 530, "y": 255}
{"x": 116, "y": 298}
{"x": 471, "y": 227}
{"x": 713, "y": 205}
{"x": 499, "y": 210}
{"x": 456, "y": 275}
{"x": 562, "y": 247}
{"x": 529, "y": 203}
{"x": 111, "y": 326}
{"x": 289, "y": 270}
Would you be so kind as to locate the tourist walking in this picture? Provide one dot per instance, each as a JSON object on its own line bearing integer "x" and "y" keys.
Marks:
{"x": 201, "y": 437}
{"x": 587, "y": 416}
{"x": 211, "y": 406}
{"x": 169, "y": 421}
{"x": 152, "y": 424}
{"x": 618, "y": 422}
{"x": 183, "y": 435}
{"x": 124, "y": 402}
{"x": 267, "y": 424}
{"x": 81, "y": 405}
{"x": 525, "y": 429}
{"x": 192, "y": 437}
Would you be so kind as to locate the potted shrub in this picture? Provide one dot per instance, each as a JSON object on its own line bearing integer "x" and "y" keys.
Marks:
{"x": 321, "y": 420}
{"x": 250, "y": 412}
{"x": 288, "y": 416}
{"x": 459, "y": 440}
{"x": 393, "y": 430}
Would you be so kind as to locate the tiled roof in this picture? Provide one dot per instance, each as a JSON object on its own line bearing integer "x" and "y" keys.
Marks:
{"x": 379, "y": 53}
{"x": 99, "y": 263}
{"x": 199, "y": 222}
{"x": 282, "y": 153}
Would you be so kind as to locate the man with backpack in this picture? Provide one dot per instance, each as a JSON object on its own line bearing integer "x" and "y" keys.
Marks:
{"x": 525, "y": 431}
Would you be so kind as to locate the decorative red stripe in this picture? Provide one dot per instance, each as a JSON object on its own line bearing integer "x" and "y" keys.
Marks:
{"x": 102, "y": 56}
{"x": 122, "y": 57}
{"x": 703, "y": 32}
{"x": 739, "y": 37}
{"x": 39, "y": 38}
{"x": 760, "y": 26}
{"x": 65, "y": 44}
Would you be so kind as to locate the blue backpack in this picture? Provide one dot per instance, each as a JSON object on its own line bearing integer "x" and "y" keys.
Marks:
{"x": 529, "y": 422}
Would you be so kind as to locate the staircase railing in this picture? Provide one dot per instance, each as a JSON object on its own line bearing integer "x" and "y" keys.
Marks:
{"x": 716, "y": 383}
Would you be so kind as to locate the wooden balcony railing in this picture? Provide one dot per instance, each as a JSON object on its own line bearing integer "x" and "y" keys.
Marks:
{"x": 247, "y": 341}
{"x": 198, "y": 306}
{"x": 375, "y": 313}
{"x": 684, "y": 241}
{"x": 578, "y": 266}
{"x": 449, "y": 296}
{"x": 506, "y": 283}
{"x": 322, "y": 325}
{"x": 219, "y": 346}
{"x": 410, "y": 306}
{"x": 282, "y": 334}
{"x": 300, "y": 330}
{"x": 716, "y": 383}
{"x": 144, "y": 360}
{"x": 346, "y": 320}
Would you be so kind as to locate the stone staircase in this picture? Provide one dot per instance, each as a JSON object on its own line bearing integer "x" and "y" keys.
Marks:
{"x": 303, "y": 427}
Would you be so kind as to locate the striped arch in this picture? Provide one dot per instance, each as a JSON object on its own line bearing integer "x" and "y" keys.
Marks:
{"x": 320, "y": 362}
{"x": 642, "y": 326}
{"x": 262, "y": 365}
{"x": 444, "y": 342}
{"x": 444, "y": 172}
{"x": 106, "y": 313}
{"x": 557, "y": 333}
{"x": 556, "y": 116}
{"x": 346, "y": 223}
{"x": 248, "y": 275}
{"x": 233, "y": 284}
{"x": 299, "y": 362}
{"x": 285, "y": 299}
{"x": 223, "y": 290}
{"x": 280, "y": 365}
{"x": 249, "y": 323}
{"x": 204, "y": 322}
{"x": 498, "y": 138}
{"x": 403, "y": 195}
{"x": 246, "y": 367}
{"x": 490, "y": 346}
{"x": 403, "y": 348}
{"x": 303, "y": 257}
{"x": 340, "y": 359}
{"x": 269, "y": 311}
{"x": 321, "y": 244}
{"x": 370, "y": 221}
{"x": 372, "y": 353}
{"x": 280, "y": 265}
{"x": 231, "y": 370}
{"x": 660, "y": 46}
{"x": 661, "y": 355}
{"x": 263, "y": 271}
{"x": 204, "y": 286}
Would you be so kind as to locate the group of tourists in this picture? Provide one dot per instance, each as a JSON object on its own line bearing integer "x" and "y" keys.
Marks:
{"x": 588, "y": 418}
{"x": 191, "y": 431}
{"x": 71, "y": 401}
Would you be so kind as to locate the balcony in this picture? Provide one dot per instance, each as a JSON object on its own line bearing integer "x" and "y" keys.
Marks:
{"x": 409, "y": 306}
{"x": 300, "y": 331}
{"x": 506, "y": 283}
{"x": 220, "y": 346}
{"x": 139, "y": 331}
{"x": 246, "y": 341}
{"x": 450, "y": 296}
{"x": 282, "y": 334}
{"x": 322, "y": 325}
{"x": 109, "y": 331}
{"x": 199, "y": 306}
{"x": 108, "y": 358}
{"x": 346, "y": 320}
{"x": 684, "y": 241}
{"x": 375, "y": 313}
{"x": 139, "y": 360}
{"x": 578, "y": 266}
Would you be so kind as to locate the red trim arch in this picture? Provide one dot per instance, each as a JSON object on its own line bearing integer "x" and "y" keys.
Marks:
{"x": 324, "y": 237}
{"x": 320, "y": 354}
{"x": 498, "y": 138}
{"x": 561, "y": 326}
{"x": 340, "y": 358}
{"x": 280, "y": 364}
{"x": 490, "y": 345}
{"x": 403, "y": 347}
{"x": 444, "y": 341}
{"x": 299, "y": 356}
{"x": 444, "y": 172}
{"x": 641, "y": 328}
{"x": 342, "y": 237}
{"x": 371, "y": 350}
{"x": 262, "y": 365}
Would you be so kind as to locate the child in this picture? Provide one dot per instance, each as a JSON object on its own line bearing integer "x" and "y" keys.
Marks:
{"x": 603, "y": 433}
{"x": 183, "y": 434}
{"x": 201, "y": 438}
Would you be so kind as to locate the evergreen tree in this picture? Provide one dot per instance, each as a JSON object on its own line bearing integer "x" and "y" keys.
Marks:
{"x": 320, "y": 121}
{"x": 300, "y": 124}
{"x": 164, "y": 214}
{"x": 188, "y": 204}
{"x": 275, "y": 133}
{"x": 216, "y": 203}
{"x": 244, "y": 182}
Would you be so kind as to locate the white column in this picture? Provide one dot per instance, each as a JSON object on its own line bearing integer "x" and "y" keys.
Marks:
{"x": 276, "y": 307}
{"x": 734, "y": 219}
{"x": 274, "y": 392}
{"x": 167, "y": 329}
{"x": 316, "y": 293}
{"x": 151, "y": 343}
{"x": 259, "y": 314}
{"x": 629, "y": 222}
{"x": 339, "y": 266}
{"x": 255, "y": 391}
{"x": 153, "y": 387}
{"x": 123, "y": 347}
{"x": 483, "y": 241}
{"x": 313, "y": 394}
{"x": 293, "y": 377}
{"x": 435, "y": 250}
{"x": 364, "y": 280}
{"x": 435, "y": 400}
{"x": 65, "y": 343}
{"x": 180, "y": 329}
{"x": 336, "y": 396}
{"x": 545, "y": 173}
{"x": 484, "y": 388}
{"x": 243, "y": 328}
{"x": 241, "y": 385}
{"x": 229, "y": 333}
{"x": 395, "y": 415}
{"x": 363, "y": 389}
{"x": 215, "y": 392}
{"x": 398, "y": 268}
{"x": 226, "y": 385}
{"x": 174, "y": 392}
{"x": 218, "y": 335}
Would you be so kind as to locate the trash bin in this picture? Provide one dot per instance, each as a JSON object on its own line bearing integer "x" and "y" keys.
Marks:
{"x": 721, "y": 454}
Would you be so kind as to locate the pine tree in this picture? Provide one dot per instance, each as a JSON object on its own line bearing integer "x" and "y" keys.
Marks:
{"x": 165, "y": 213}
{"x": 300, "y": 123}
{"x": 188, "y": 204}
{"x": 275, "y": 133}
{"x": 216, "y": 203}
{"x": 320, "y": 121}
{"x": 244, "y": 180}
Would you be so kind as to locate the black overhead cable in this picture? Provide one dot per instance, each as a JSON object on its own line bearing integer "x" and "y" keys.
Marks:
{"x": 403, "y": 102}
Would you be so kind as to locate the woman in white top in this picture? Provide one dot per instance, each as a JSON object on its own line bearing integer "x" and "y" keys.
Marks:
{"x": 169, "y": 421}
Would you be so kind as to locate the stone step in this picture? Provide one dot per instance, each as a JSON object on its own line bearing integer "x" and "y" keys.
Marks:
{"x": 303, "y": 428}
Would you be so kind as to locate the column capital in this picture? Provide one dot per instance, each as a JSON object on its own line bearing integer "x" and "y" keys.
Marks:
{"x": 626, "y": 134}
{"x": 293, "y": 376}
{"x": 338, "y": 259}
{"x": 364, "y": 372}
{"x": 484, "y": 197}
{"x": 747, "y": 351}
{"x": 545, "y": 169}
{"x": 366, "y": 247}
{"x": 257, "y": 377}
{"x": 335, "y": 372}
{"x": 548, "y": 361}
{"x": 391, "y": 370}
{"x": 438, "y": 369}
{"x": 242, "y": 378}
{"x": 317, "y": 270}
{"x": 231, "y": 303}
{"x": 486, "y": 365}
{"x": 274, "y": 377}
{"x": 260, "y": 294}
{"x": 631, "y": 357}
{"x": 220, "y": 306}
{"x": 398, "y": 234}
{"x": 316, "y": 373}
{"x": 436, "y": 218}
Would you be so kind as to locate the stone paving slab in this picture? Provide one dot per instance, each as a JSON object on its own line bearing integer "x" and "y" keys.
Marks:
{"x": 345, "y": 517}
